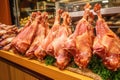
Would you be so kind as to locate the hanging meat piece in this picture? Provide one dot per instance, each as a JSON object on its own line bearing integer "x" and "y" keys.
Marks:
{"x": 41, "y": 50}
{"x": 79, "y": 44}
{"x": 39, "y": 37}
{"x": 24, "y": 39}
{"x": 106, "y": 43}
{"x": 44, "y": 32}
{"x": 55, "y": 48}
{"x": 52, "y": 34}
{"x": 84, "y": 41}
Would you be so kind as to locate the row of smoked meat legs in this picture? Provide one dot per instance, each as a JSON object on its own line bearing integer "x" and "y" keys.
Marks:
{"x": 36, "y": 39}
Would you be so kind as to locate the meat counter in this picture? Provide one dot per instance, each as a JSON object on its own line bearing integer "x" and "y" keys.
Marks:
{"x": 49, "y": 71}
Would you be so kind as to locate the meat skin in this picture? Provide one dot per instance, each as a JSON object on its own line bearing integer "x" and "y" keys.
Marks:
{"x": 24, "y": 39}
{"x": 79, "y": 44}
{"x": 39, "y": 36}
{"x": 106, "y": 44}
{"x": 41, "y": 50}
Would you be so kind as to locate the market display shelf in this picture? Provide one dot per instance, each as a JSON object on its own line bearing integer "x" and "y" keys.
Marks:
{"x": 41, "y": 68}
{"x": 110, "y": 10}
{"x": 114, "y": 26}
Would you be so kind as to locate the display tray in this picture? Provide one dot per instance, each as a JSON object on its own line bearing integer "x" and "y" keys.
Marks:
{"x": 41, "y": 68}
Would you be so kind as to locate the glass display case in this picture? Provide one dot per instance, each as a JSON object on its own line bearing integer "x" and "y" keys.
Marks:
{"x": 110, "y": 11}
{"x": 23, "y": 8}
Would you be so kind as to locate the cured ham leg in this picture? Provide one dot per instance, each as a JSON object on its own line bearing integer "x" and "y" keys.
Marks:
{"x": 39, "y": 37}
{"x": 41, "y": 50}
{"x": 24, "y": 39}
{"x": 84, "y": 41}
{"x": 79, "y": 44}
{"x": 106, "y": 43}
{"x": 56, "y": 47}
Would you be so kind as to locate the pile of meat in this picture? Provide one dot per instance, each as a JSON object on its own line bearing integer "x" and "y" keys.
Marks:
{"x": 38, "y": 40}
{"x": 7, "y": 34}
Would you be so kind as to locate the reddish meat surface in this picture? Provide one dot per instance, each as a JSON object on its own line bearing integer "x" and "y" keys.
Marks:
{"x": 55, "y": 48}
{"x": 79, "y": 44}
{"x": 39, "y": 36}
{"x": 106, "y": 43}
{"x": 41, "y": 50}
{"x": 24, "y": 39}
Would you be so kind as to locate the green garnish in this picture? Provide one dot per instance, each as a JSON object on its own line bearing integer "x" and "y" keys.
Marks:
{"x": 97, "y": 67}
{"x": 49, "y": 60}
{"x": 73, "y": 64}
